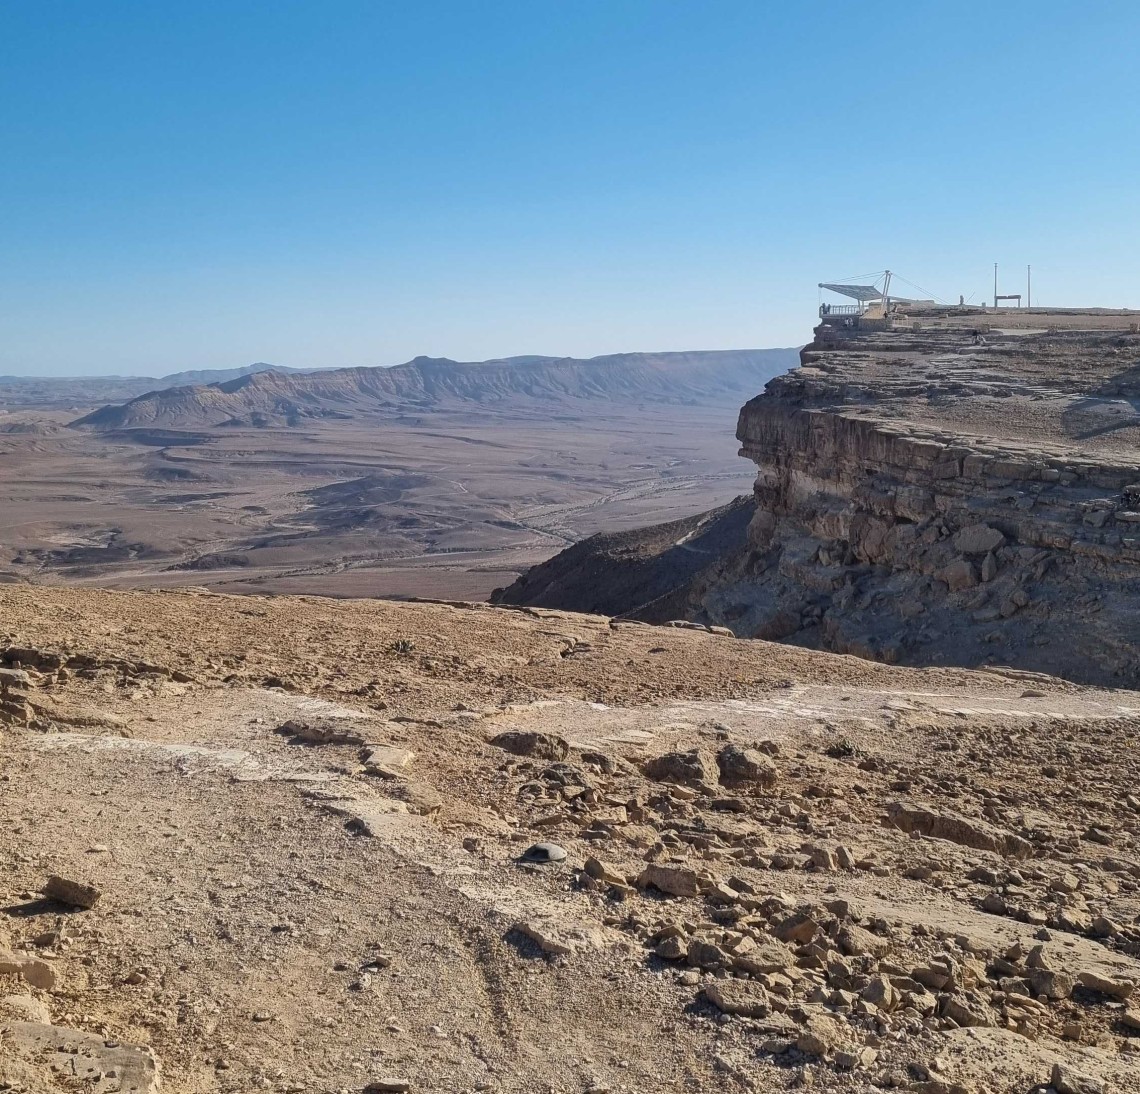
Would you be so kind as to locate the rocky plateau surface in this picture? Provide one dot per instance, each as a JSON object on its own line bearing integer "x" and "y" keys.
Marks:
{"x": 292, "y": 844}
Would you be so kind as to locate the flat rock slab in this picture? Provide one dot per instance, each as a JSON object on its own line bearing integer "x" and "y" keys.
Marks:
{"x": 553, "y": 929}
{"x": 998, "y": 1059}
{"x": 235, "y": 759}
{"x": 30, "y": 969}
{"x": 188, "y": 759}
{"x": 387, "y": 758}
{"x": 74, "y": 1057}
{"x": 948, "y": 825}
{"x": 555, "y": 935}
{"x": 369, "y": 816}
{"x": 320, "y": 732}
{"x": 310, "y": 705}
{"x": 78, "y": 714}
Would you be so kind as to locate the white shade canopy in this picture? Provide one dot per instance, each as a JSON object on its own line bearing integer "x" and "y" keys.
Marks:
{"x": 856, "y": 292}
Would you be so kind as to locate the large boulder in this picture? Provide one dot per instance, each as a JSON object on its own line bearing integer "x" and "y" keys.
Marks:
{"x": 540, "y": 746}
{"x": 1065, "y": 1080}
{"x": 959, "y": 574}
{"x": 674, "y": 880}
{"x": 12, "y": 678}
{"x": 691, "y": 766}
{"x": 768, "y": 955}
{"x": 761, "y": 529}
{"x": 823, "y": 1035}
{"x": 743, "y": 997}
{"x": 741, "y": 766}
{"x": 978, "y": 539}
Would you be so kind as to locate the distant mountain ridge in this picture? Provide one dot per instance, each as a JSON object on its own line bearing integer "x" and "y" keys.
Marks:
{"x": 221, "y": 375}
{"x": 275, "y": 398}
{"x": 62, "y": 392}
{"x": 171, "y": 379}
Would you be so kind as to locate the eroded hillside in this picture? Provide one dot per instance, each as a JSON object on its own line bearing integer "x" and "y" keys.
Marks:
{"x": 274, "y": 398}
{"x": 362, "y": 846}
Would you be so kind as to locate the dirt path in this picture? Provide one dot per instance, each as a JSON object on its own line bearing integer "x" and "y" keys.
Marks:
{"x": 287, "y": 915}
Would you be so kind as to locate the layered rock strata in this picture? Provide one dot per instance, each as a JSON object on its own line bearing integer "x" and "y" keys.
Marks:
{"x": 935, "y": 495}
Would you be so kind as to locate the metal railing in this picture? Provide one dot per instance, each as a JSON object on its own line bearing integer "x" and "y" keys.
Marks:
{"x": 840, "y": 309}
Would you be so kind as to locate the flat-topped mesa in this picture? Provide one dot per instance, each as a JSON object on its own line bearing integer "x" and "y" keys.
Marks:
{"x": 945, "y": 491}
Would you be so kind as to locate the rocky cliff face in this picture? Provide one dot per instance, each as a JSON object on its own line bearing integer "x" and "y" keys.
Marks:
{"x": 924, "y": 497}
{"x": 933, "y": 495}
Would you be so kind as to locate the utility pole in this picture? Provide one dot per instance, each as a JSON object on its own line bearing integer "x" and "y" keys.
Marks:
{"x": 995, "y": 286}
{"x": 1028, "y": 287}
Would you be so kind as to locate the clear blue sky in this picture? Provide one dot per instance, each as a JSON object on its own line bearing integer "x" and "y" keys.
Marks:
{"x": 205, "y": 184}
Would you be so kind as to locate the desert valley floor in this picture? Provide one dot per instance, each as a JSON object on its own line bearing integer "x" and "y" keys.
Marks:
{"x": 448, "y": 504}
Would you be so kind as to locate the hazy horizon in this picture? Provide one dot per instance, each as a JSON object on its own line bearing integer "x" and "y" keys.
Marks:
{"x": 356, "y": 183}
{"x": 392, "y": 364}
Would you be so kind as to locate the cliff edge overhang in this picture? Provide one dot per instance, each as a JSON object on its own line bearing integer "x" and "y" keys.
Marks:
{"x": 942, "y": 489}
